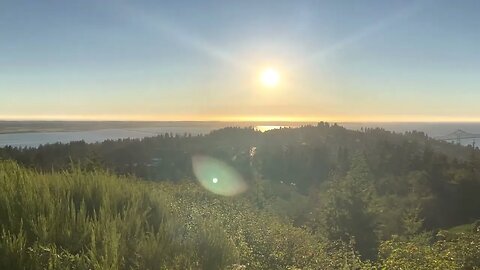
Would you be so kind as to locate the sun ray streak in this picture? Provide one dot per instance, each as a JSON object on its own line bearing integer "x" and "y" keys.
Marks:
{"x": 366, "y": 32}
{"x": 181, "y": 36}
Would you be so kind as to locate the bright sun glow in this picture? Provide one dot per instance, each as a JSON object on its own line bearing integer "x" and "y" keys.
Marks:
{"x": 270, "y": 77}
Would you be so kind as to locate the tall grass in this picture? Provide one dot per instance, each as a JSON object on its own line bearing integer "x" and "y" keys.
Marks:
{"x": 93, "y": 220}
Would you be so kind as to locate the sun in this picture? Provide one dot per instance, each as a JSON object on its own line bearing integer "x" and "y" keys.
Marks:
{"x": 269, "y": 77}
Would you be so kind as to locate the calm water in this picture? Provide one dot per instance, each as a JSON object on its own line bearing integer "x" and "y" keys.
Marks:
{"x": 34, "y": 139}
{"x": 37, "y": 138}
{"x": 432, "y": 129}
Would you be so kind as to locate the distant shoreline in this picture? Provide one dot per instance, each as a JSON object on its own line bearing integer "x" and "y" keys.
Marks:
{"x": 14, "y": 127}
{"x": 34, "y": 133}
{"x": 46, "y": 126}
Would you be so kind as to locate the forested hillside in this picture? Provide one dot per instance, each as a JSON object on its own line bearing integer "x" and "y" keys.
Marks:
{"x": 319, "y": 197}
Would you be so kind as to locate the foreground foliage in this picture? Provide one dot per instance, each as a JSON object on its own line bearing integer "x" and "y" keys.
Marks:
{"x": 448, "y": 251}
{"x": 94, "y": 220}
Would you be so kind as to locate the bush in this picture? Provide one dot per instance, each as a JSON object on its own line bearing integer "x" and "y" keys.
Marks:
{"x": 80, "y": 220}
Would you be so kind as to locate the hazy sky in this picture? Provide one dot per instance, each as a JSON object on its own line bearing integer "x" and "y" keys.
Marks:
{"x": 200, "y": 60}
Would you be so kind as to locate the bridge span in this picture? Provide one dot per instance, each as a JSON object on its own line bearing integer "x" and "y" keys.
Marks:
{"x": 459, "y": 135}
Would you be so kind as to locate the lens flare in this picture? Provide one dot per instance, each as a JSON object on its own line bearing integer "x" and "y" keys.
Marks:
{"x": 218, "y": 177}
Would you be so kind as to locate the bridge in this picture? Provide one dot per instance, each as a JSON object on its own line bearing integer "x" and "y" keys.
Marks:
{"x": 459, "y": 135}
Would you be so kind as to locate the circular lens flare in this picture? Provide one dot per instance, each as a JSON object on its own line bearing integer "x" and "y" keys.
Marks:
{"x": 218, "y": 177}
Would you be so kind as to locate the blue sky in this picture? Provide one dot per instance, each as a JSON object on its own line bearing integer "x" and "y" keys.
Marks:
{"x": 200, "y": 60}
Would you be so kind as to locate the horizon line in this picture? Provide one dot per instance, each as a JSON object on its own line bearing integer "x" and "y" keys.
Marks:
{"x": 240, "y": 119}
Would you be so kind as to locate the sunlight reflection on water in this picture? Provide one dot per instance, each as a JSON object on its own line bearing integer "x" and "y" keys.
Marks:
{"x": 267, "y": 128}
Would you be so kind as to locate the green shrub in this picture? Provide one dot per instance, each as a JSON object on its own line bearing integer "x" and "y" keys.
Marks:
{"x": 93, "y": 220}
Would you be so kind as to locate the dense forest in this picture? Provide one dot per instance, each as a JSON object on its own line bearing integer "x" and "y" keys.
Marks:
{"x": 318, "y": 197}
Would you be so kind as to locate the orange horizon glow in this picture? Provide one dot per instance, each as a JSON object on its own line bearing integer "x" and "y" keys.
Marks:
{"x": 245, "y": 118}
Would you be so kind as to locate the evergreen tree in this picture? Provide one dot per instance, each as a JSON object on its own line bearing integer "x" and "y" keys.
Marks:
{"x": 347, "y": 211}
